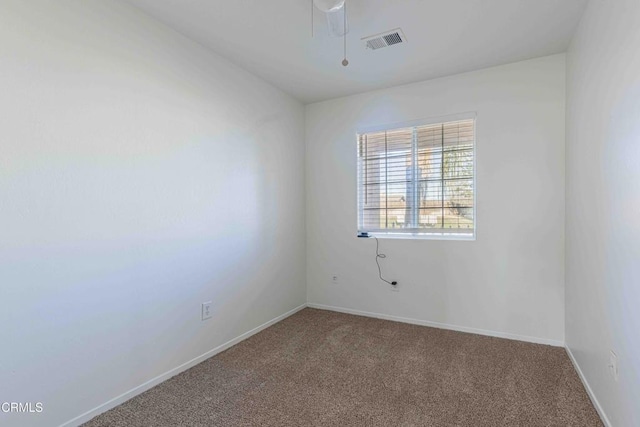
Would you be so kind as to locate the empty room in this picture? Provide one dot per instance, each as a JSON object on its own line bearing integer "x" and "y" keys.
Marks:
{"x": 319, "y": 213}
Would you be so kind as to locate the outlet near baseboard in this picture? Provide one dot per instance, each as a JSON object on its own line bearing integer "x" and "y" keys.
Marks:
{"x": 613, "y": 364}
{"x": 206, "y": 310}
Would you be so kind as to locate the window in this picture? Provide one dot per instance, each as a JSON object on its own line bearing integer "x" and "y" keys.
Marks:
{"x": 418, "y": 181}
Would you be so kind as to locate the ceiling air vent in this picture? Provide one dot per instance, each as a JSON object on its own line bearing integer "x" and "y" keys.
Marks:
{"x": 385, "y": 39}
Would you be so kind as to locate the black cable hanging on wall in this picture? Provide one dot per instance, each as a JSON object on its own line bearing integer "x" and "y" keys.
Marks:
{"x": 378, "y": 257}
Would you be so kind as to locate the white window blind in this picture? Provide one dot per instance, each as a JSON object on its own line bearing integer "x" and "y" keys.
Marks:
{"x": 418, "y": 180}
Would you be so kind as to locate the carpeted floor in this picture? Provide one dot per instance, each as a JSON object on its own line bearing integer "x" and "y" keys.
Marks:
{"x": 324, "y": 368}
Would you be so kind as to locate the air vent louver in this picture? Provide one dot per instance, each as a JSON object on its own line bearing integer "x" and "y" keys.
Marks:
{"x": 385, "y": 39}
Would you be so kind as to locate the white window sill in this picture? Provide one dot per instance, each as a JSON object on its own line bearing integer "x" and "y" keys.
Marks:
{"x": 425, "y": 236}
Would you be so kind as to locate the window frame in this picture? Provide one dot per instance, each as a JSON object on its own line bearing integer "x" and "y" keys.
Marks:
{"x": 422, "y": 234}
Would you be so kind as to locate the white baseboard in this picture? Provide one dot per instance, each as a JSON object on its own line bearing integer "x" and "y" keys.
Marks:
{"x": 438, "y": 325}
{"x": 83, "y": 418}
{"x": 592, "y": 396}
{"x": 175, "y": 371}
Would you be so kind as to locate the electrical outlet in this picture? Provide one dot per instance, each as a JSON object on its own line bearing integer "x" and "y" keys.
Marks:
{"x": 613, "y": 365}
{"x": 206, "y": 310}
{"x": 334, "y": 279}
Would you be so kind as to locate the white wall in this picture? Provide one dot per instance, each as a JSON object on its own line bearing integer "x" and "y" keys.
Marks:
{"x": 603, "y": 202}
{"x": 140, "y": 175}
{"x": 510, "y": 281}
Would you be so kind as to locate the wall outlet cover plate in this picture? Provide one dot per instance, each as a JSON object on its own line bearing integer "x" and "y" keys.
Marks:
{"x": 206, "y": 310}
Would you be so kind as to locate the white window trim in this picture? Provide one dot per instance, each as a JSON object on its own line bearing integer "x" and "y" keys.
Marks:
{"x": 430, "y": 235}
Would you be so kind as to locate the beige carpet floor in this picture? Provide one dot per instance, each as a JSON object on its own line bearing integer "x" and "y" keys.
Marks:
{"x": 331, "y": 369}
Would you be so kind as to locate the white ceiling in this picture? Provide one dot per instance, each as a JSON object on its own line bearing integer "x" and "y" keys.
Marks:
{"x": 272, "y": 38}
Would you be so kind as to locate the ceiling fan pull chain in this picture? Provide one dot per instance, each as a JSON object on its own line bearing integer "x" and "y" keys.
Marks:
{"x": 345, "y": 62}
